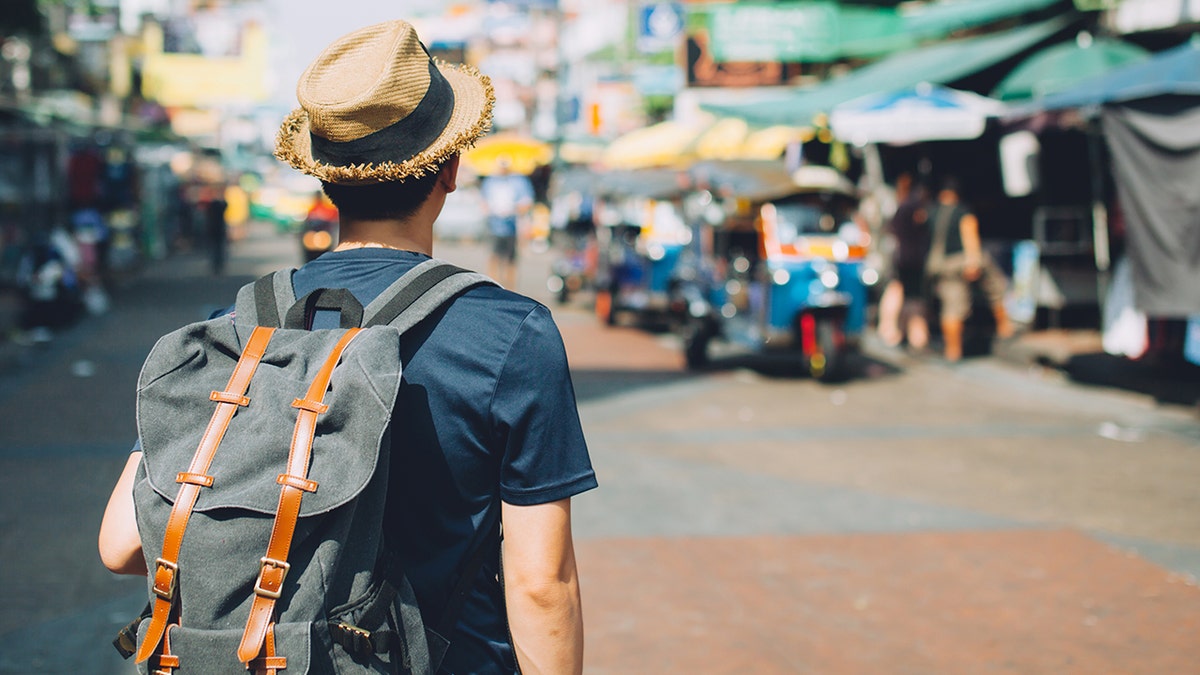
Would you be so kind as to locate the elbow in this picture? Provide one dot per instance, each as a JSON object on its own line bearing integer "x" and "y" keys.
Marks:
{"x": 121, "y": 558}
{"x": 545, "y": 596}
{"x": 122, "y": 564}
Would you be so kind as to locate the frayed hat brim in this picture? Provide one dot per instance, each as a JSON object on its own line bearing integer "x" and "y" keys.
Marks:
{"x": 474, "y": 99}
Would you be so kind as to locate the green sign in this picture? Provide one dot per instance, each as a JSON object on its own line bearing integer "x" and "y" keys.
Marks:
{"x": 803, "y": 31}
{"x": 810, "y": 31}
{"x": 1096, "y": 5}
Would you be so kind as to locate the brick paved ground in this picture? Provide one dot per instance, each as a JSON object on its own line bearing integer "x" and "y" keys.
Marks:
{"x": 1041, "y": 601}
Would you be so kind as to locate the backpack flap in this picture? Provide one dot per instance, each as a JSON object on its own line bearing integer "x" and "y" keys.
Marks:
{"x": 207, "y": 651}
{"x": 173, "y": 412}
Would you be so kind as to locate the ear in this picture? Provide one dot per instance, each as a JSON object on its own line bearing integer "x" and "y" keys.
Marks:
{"x": 448, "y": 177}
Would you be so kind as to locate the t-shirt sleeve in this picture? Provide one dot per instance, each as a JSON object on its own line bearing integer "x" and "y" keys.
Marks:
{"x": 545, "y": 456}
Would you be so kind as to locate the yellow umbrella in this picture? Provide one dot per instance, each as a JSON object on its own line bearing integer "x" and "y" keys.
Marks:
{"x": 770, "y": 143}
{"x": 723, "y": 140}
{"x": 523, "y": 153}
{"x": 663, "y": 144}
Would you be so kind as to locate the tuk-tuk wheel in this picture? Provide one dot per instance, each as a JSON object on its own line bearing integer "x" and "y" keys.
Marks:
{"x": 828, "y": 362}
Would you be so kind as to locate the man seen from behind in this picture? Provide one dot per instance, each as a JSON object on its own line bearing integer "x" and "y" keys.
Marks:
{"x": 488, "y": 431}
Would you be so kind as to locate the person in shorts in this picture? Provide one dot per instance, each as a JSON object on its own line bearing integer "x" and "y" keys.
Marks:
{"x": 956, "y": 261}
{"x": 507, "y": 196}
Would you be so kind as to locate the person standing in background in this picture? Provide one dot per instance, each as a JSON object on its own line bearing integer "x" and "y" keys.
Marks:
{"x": 902, "y": 308}
{"x": 957, "y": 260}
{"x": 216, "y": 228}
{"x": 506, "y": 197}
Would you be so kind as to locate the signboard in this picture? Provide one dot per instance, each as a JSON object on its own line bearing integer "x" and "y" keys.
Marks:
{"x": 705, "y": 71}
{"x": 193, "y": 79}
{"x": 658, "y": 80}
{"x": 660, "y": 26}
{"x": 806, "y": 31}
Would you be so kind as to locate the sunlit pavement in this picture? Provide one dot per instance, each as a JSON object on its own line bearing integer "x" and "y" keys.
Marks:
{"x": 947, "y": 521}
{"x": 986, "y": 518}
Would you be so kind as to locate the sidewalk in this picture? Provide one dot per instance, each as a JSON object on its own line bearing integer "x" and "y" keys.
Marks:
{"x": 1080, "y": 355}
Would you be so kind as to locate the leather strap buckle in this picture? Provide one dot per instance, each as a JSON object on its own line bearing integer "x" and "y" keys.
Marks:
{"x": 166, "y": 579}
{"x": 275, "y": 588}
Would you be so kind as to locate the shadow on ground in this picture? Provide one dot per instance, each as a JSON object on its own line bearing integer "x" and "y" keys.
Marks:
{"x": 1173, "y": 382}
{"x": 789, "y": 365}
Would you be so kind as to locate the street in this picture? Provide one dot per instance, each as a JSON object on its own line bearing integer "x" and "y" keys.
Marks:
{"x": 989, "y": 517}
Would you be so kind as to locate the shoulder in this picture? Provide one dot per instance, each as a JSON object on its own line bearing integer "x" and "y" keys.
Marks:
{"x": 499, "y": 308}
{"x": 515, "y": 328}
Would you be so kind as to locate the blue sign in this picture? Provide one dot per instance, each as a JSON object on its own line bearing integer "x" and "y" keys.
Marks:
{"x": 660, "y": 26}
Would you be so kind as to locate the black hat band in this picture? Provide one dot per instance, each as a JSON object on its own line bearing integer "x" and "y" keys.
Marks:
{"x": 401, "y": 141}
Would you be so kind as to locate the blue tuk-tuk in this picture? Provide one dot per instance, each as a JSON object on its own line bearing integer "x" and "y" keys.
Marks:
{"x": 784, "y": 269}
{"x": 641, "y": 234}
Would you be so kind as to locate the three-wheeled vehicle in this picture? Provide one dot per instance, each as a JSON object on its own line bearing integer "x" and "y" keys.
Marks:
{"x": 572, "y": 233}
{"x": 642, "y": 235}
{"x": 786, "y": 267}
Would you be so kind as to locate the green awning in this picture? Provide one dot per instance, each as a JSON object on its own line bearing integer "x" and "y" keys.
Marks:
{"x": 1061, "y": 66}
{"x": 942, "y": 18}
{"x": 819, "y": 31}
{"x": 943, "y": 63}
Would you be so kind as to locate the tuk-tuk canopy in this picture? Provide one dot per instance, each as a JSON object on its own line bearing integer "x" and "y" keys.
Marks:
{"x": 766, "y": 180}
{"x": 659, "y": 183}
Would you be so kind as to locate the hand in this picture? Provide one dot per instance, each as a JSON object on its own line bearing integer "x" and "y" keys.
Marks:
{"x": 972, "y": 269}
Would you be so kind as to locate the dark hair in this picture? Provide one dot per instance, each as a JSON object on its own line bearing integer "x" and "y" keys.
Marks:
{"x": 392, "y": 200}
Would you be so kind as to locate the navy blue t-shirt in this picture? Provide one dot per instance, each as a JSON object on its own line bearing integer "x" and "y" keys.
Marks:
{"x": 486, "y": 412}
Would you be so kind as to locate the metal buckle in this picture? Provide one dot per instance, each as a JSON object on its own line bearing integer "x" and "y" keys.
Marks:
{"x": 359, "y": 638}
{"x": 266, "y": 561}
{"x": 169, "y": 592}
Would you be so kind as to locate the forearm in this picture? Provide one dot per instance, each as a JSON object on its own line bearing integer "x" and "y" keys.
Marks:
{"x": 969, "y": 230}
{"x": 547, "y": 626}
{"x": 541, "y": 588}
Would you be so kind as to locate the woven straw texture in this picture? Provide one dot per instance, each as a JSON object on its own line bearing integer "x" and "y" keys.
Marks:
{"x": 367, "y": 81}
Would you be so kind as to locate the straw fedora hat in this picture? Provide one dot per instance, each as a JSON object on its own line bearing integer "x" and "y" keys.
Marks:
{"x": 375, "y": 107}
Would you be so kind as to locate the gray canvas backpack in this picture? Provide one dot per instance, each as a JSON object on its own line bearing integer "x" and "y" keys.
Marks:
{"x": 267, "y": 445}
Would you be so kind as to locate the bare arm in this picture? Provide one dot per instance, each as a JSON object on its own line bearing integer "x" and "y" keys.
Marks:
{"x": 541, "y": 588}
{"x": 120, "y": 545}
{"x": 968, "y": 228}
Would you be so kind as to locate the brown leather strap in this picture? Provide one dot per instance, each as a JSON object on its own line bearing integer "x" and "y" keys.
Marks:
{"x": 166, "y": 567}
{"x": 274, "y": 566}
{"x": 270, "y": 663}
{"x": 167, "y": 662}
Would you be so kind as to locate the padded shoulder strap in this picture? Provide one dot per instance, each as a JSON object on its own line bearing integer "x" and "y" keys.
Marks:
{"x": 419, "y": 293}
{"x": 264, "y": 302}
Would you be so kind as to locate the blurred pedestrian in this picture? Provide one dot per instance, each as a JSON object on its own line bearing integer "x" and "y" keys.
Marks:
{"x": 956, "y": 261}
{"x": 216, "y": 226}
{"x": 91, "y": 237}
{"x": 486, "y": 431}
{"x": 507, "y": 197}
{"x": 902, "y": 308}
{"x": 48, "y": 280}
